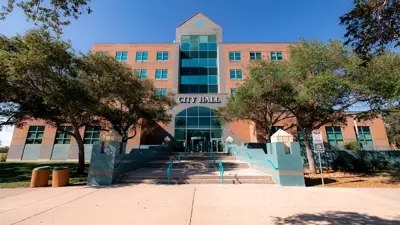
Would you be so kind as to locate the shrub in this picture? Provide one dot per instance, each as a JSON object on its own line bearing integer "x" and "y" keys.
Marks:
{"x": 353, "y": 145}
{"x": 3, "y": 157}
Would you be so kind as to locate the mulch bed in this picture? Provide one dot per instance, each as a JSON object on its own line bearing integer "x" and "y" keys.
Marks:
{"x": 376, "y": 179}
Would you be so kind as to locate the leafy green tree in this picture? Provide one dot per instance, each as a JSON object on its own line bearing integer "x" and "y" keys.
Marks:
{"x": 392, "y": 124}
{"x": 255, "y": 100}
{"x": 54, "y": 14}
{"x": 372, "y": 26}
{"x": 47, "y": 81}
{"x": 130, "y": 103}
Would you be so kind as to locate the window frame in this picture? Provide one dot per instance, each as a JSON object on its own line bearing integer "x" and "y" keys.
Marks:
{"x": 92, "y": 132}
{"x": 164, "y": 56}
{"x": 37, "y": 132}
{"x": 65, "y": 137}
{"x": 334, "y": 132}
{"x": 139, "y": 73}
{"x": 163, "y": 74}
{"x": 235, "y": 74}
{"x": 276, "y": 57}
{"x": 237, "y": 56}
{"x": 363, "y": 140}
{"x": 160, "y": 91}
{"x": 142, "y": 55}
{"x": 121, "y": 56}
{"x": 255, "y": 56}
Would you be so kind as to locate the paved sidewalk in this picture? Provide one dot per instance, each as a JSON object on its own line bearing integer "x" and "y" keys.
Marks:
{"x": 199, "y": 205}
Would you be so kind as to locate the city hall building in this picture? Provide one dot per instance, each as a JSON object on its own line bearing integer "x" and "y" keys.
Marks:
{"x": 203, "y": 71}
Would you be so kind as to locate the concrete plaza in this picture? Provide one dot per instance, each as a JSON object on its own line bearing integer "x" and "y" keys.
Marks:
{"x": 199, "y": 204}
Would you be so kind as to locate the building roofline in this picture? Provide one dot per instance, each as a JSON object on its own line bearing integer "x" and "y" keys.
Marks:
{"x": 196, "y": 15}
{"x": 167, "y": 43}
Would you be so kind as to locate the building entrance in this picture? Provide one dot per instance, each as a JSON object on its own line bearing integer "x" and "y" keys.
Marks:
{"x": 198, "y": 129}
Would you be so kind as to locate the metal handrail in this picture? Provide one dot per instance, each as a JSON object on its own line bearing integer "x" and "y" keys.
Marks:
{"x": 273, "y": 166}
{"x": 249, "y": 155}
{"x": 221, "y": 171}
{"x": 169, "y": 170}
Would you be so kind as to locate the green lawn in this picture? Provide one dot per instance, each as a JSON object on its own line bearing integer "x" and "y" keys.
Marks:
{"x": 19, "y": 174}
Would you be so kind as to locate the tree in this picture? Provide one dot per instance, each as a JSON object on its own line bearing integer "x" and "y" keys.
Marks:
{"x": 255, "y": 100}
{"x": 54, "y": 13}
{"x": 392, "y": 124}
{"x": 130, "y": 103}
{"x": 319, "y": 87}
{"x": 372, "y": 26}
{"x": 46, "y": 81}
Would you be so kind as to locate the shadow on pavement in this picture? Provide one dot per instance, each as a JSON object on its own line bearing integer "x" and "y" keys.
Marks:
{"x": 335, "y": 217}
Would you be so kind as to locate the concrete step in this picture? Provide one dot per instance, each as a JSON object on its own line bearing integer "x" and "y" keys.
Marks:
{"x": 195, "y": 176}
{"x": 195, "y": 153}
{"x": 198, "y": 164}
{"x": 198, "y": 157}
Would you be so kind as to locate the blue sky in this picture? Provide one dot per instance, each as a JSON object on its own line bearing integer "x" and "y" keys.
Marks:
{"x": 138, "y": 21}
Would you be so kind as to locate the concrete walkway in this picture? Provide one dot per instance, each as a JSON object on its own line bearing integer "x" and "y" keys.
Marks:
{"x": 199, "y": 204}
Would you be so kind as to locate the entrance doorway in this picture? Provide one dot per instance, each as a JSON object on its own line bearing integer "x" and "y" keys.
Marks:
{"x": 198, "y": 130}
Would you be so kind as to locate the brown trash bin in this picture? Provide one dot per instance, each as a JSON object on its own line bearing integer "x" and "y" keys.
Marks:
{"x": 40, "y": 176}
{"x": 60, "y": 176}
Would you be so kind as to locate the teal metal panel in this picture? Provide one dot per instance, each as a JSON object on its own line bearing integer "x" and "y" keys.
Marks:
{"x": 60, "y": 152}
{"x": 31, "y": 152}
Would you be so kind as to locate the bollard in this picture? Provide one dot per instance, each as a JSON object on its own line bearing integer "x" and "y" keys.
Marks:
{"x": 60, "y": 177}
{"x": 40, "y": 176}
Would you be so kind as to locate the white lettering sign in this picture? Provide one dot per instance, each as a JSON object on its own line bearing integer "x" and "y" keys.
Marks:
{"x": 206, "y": 99}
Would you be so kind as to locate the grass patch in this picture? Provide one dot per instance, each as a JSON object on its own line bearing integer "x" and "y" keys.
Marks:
{"x": 13, "y": 175}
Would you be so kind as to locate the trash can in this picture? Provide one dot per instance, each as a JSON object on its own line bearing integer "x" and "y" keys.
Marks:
{"x": 60, "y": 177}
{"x": 40, "y": 176}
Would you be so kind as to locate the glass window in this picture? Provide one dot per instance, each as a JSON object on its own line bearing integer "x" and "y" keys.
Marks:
{"x": 185, "y": 38}
{"x": 160, "y": 91}
{"x": 92, "y": 134}
{"x": 212, "y": 38}
{"x": 35, "y": 135}
{"x": 334, "y": 135}
{"x": 212, "y": 46}
{"x": 162, "y": 56}
{"x": 255, "y": 55}
{"x": 192, "y": 122}
{"x": 161, "y": 74}
{"x": 276, "y": 56}
{"x": 185, "y": 46}
{"x": 62, "y": 137}
{"x": 203, "y": 47}
{"x": 193, "y": 111}
{"x": 235, "y": 56}
{"x": 121, "y": 56}
{"x": 235, "y": 74}
{"x": 142, "y": 56}
{"x": 180, "y": 134}
{"x": 204, "y": 122}
{"x": 180, "y": 122}
{"x": 365, "y": 137}
{"x": 233, "y": 90}
{"x": 203, "y": 39}
{"x": 142, "y": 74}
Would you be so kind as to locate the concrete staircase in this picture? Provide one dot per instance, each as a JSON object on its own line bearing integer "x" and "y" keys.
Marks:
{"x": 196, "y": 168}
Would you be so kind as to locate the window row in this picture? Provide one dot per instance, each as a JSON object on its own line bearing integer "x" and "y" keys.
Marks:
{"x": 199, "y": 54}
{"x": 35, "y": 135}
{"x": 213, "y": 80}
{"x": 199, "y": 47}
{"x": 185, "y": 71}
{"x": 160, "y": 91}
{"x": 140, "y": 56}
{"x": 198, "y": 88}
{"x": 199, "y": 38}
{"x": 199, "y": 63}
{"x": 237, "y": 56}
{"x": 159, "y": 74}
{"x": 335, "y": 136}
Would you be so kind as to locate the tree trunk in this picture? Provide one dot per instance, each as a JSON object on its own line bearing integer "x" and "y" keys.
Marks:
{"x": 310, "y": 158}
{"x": 81, "y": 154}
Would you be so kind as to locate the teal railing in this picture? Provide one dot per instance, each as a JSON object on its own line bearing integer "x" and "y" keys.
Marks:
{"x": 169, "y": 171}
{"x": 221, "y": 171}
{"x": 273, "y": 166}
{"x": 249, "y": 155}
